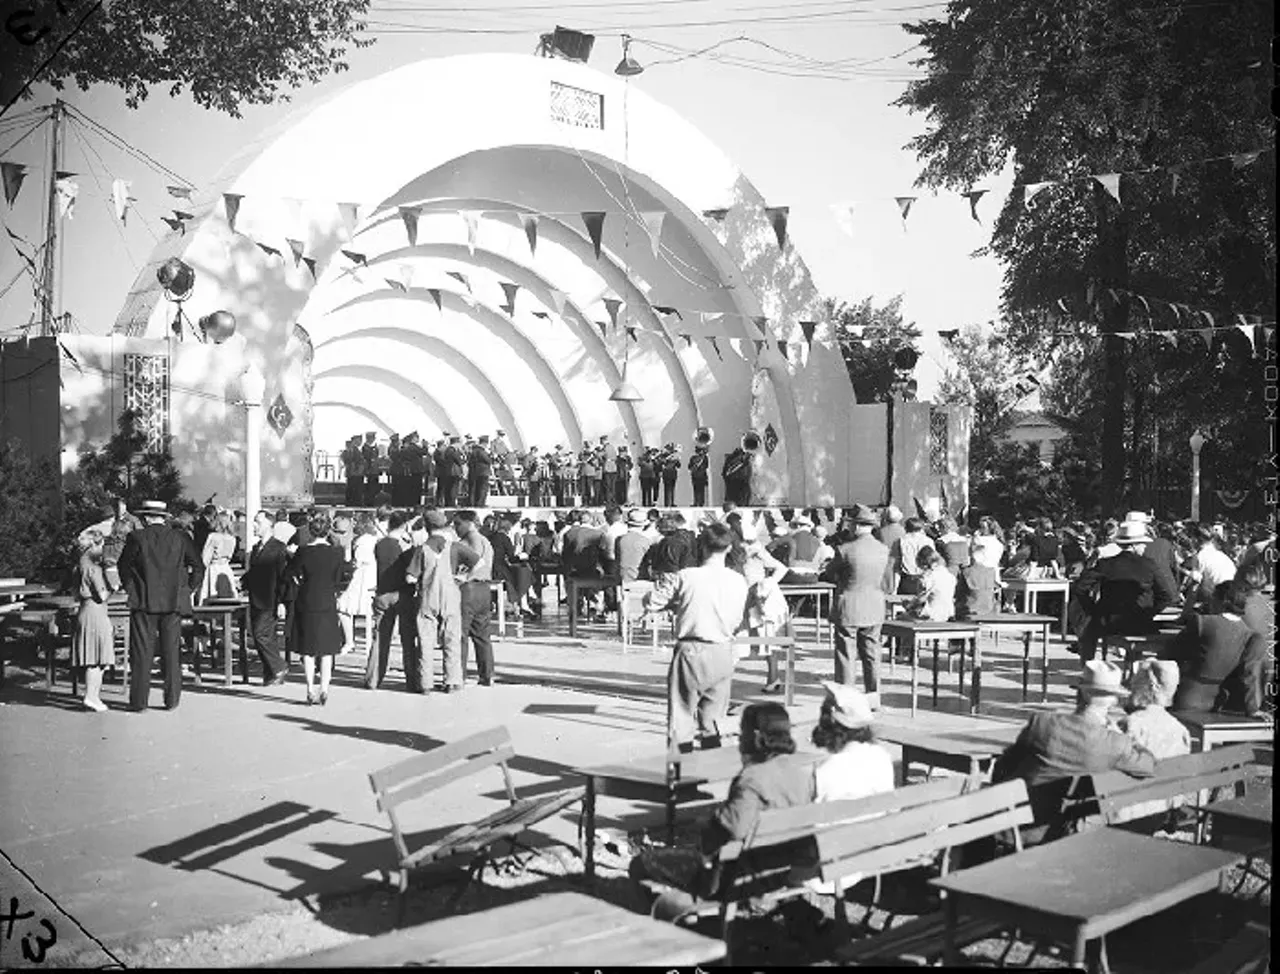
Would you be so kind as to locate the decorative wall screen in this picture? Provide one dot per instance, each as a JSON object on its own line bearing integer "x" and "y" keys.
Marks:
{"x": 576, "y": 106}
{"x": 146, "y": 393}
{"x": 938, "y": 441}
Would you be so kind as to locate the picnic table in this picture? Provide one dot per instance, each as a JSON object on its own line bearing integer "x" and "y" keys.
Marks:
{"x": 817, "y": 590}
{"x": 1210, "y": 729}
{"x": 574, "y": 585}
{"x": 1033, "y": 588}
{"x": 567, "y": 930}
{"x": 223, "y": 612}
{"x": 908, "y": 634}
{"x": 1243, "y": 824}
{"x": 10, "y": 594}
{"x": 1026, "y": 625}
{"x": 968, "y": 750}
{"x": 1080, "y": 888}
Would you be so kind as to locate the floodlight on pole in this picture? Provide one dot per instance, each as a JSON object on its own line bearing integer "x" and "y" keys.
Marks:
{"x": 628, "y": 67}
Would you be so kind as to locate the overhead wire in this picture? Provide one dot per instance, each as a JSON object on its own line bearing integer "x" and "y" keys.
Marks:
{"x": 75, "y": 129}
{"x": 126, "y": 146}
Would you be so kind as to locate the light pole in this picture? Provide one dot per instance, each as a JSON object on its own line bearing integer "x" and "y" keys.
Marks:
{"x": 1197, "y": 444}
{"x": 253, "y": 386}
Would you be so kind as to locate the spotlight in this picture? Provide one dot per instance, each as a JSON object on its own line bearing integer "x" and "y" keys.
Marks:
{"x": 628, "y": 67}
{"x": 572, "y": 45}
{"x": 905, "y": 358}
{"x": 218, "y": 326}
{"x": 177, "y": 278}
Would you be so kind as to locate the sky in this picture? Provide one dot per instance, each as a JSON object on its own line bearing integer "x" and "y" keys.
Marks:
{"x": 799, "y": 94}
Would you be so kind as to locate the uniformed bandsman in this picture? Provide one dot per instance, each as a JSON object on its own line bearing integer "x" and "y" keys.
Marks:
{"x": 441, "y": 467}
{"x": 453, "y": 466}
{"x": 395, "y": 471}
{"x": 479, "y": 471}
{"x": 623, "y": 490}
{"x": 648, "y": 477}
{"x": 369, "y": 452}
{"x": 353, "y": 469}
{"x": 698, "y": 464}
{"x": 411, "y": 455}
{"x": 670, "y": 470}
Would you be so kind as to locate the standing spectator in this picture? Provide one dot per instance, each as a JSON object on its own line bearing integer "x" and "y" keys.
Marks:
{"x": 263, "y": 578}
{"x": 283, "y": 529}
{"x": 1259, "y": 611}
{"x": 630, "y": 548}
{"x": 710, "y": 604}
{"x": 474, "y": 583}
{"x": 889, "y": 534}
{"x": 676, "y": 549}
{"x": 219, "y": 545}
{"x": 910, "y": 545}
{"x": 1164, "y": 556}
{"x": 357, "y": 597}
{"x": 94, "y": 645}
{"x": 433, "y": 569}
{"x": 203, "y": 525}
{"x": 157, "y": 565}
{"x": 859, "y": 572}
{"x": 316, "y": 572}
{"x": 391, "y": 602}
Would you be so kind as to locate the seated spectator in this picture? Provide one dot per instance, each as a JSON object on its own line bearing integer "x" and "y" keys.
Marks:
{"x": 1107, "y": 546}
{"x": 772, "y": 776}
{"x": 630, "y": 548}
{"x": 1119, "y": 595}
{"x": 977, "y": 590}
{"x": 1221, "y": 660}
{"x": 904, "y": 557}
{"x": 1055, "y": 747}
{"x": 952, "y": 545}
{"x": 676, "y": 549}
{"x": 1149, "y": 724}
{"x": 1259, "y": 609}
{"x": 986, "y": 546}
{"x": 1164, "y": 555}
{"x": 1046, "y": 552}
{"x": 1209, "y": 568}
{"x": 858, "y": 766}
{"x": 1075, "y": 552}
{"x": 937, "y": 598}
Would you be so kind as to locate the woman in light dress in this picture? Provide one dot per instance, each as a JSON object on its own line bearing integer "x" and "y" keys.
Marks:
{"x": 94, "y": 644}
{"x": 1149, "y": 724}
{"x": 357, "y": 598}
{"x": 767, "y": 610}
{"x": 219, "y": 579}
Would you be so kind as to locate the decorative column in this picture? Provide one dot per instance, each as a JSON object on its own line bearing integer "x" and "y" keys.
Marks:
{"x": 253, "y": 386}
{"x": 1197, "y": 444}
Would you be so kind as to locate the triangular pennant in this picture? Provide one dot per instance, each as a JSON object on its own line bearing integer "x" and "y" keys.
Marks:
{"x": 349, "y": 213}
{"x": 472, "y": 220}
{"x": 354, "y": 257}
{"x": 949, "y": 335}
{"x": 604, "y": 328}
{"x": 663, "y": 309}
{"x": 1110, "y": 181}
{"x": 808, "y": 328}
{"x": 631, "y": 334}
{"x": 653, "y": 220}
{"x": 594, "y": 221}
{"x": 410, "y": 214}
{"x": 778, "y": 217}
{"x": 1207, "y": 335}
{"x": 761, "y": 324}
{"x": 395, "y": 285}
{"x": 716, "y": 346}
{"x": 120, "y": 196}
{"x": 843, "y": 213}
{"x": 460, "y": 278}
{"x": 688, "y": 339}
{"x": 182, "y": 215}
{"x": 759, "y": 345}
{"x": 267, "y": 249}
{"x": 1247, "y": 331}
{"x": 973, "y": 196}
{"x": 509, "y": 292}
{"x": 716, "y": 214}
{"x": 530, "y": 223}
{"x": 1242, "y": 159}
{"x": 231, "y": 206}
{"x": 67, "y": 190}
{"x": 558, "y": 298}
{"x": 782, "y": 349}
{"x": 1030, "y": 191}
{"x": 12, "y": 174}
{"x": 736, "y": 345}
{"x": 613, "y": 306}
{"x": 311, "y": 266}
{"x": 179, "y": 192}
{"x": 542, "y": 314}
{"x": 406, "y": 276}
{"x": 710, "y": 317}
{"x": 176, "y": 225}
{"x": 904, "y": 206}
{"x": 435, "y": 296}
{"x": 296, "y": 246}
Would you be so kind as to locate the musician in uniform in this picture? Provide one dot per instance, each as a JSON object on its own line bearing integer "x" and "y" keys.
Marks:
{"x": 625, "y": 463}
{"x": 353, "y": 466}
{"x": 502, "y": 455}
{"x": 737, "y": 476}
{"x": 441, "y": 468}
{"x": 395, "y": 470}
{"x": 450, "y": 472}
{"x": 369, "y": 451}
{"x": 608, "y": 475}
{"x": 649, "y": 477}
{"x": 479, "y": 470}
{"x": 412, "y": 454}
{"x": 555, "y": 464}
{"x": 535, "y": 468}
{"x": 670, "y": 469}
{"x": 698, "y": 466}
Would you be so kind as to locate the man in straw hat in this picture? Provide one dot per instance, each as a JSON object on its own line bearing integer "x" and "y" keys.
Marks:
{"x": 860, "y": 573}
{"x": 158, "y": 563}
{"x": 1123, "y": 593}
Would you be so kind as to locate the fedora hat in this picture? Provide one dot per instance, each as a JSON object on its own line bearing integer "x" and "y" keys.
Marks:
{"x": 1140, "y": 517}
{"x": 152, "y": 509}
{"x": 1102, "y": 678}
{"x": 849, "y": 705}
{"x": 862, "y": 514}
{"x": 1132, "y": 532}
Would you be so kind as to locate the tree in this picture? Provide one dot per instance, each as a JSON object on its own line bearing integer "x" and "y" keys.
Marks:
{"x": 1070, "y": 90}
{"x": 868, "y": 337}
{"x": 28, "y": 512}
{"x": 226, "y": 54}
{"x": 985, "y": 370}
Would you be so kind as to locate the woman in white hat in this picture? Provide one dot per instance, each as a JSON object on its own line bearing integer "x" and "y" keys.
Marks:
{"x": 858, "y": 766}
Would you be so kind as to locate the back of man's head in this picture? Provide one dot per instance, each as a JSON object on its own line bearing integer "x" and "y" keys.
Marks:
{"x": 612, "y": 513}
{"x": 383, "y": 512}
{"x": 397, "y": 520}
{"x": 716, "y": 539}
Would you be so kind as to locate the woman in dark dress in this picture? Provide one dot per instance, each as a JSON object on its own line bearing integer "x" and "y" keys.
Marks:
{"x": 316, "y": 574}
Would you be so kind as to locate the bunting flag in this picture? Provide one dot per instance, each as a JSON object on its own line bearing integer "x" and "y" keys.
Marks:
{"x": 710, "y": 317}
{"x": 688, "y": 339}
{"x": 396, "y": 285}
{"x": 461, "y": 278}
{"x": 973, "y": 196}
{"x": 594, "y": 220}
{"x": 761, "y": 324}
{"x": 435, "y": 296}
{"x": 663, "y": 309}
{"x": 736, "y": 345}
{"x": 604, "y": 328}
{"x": 1110, "y": 181}
{"x": 268, "y": 250}
{"x": 349, "y": 213}
{"x": 406, "y": 276}
{"x": 613, "y": 306}
{"x": 296, "y": 247}
{"x": 509, "y": 292}
{"x": 175, "y": 224}
{"x": 558, "y": 298}
{"x": 231, "y": 207}
{"x": 472, "y": 219}
{"x": 717, "y": 214}
{"x": 949, "y": 335}
{"x": 311, "y": 267}
{"x": 653, "y": 220}
{"x": 12, "y": 174}
{"x": 410, "y": 214}
{"x": 782, "y": 349}
{"x": 1207, "y": 335}
{"x": 179, "y": 192}
{"x": 715, "y": 345}
{"x": 1242, "y": 159}
{"x": 843, "y": 213}
{"x": 67, "y": 190}
{"x": 1247, "y": 331}
{"x": 1030, "y": 191}
{"x": 530, "y": 223}
{"x": 542, "y": 314}
{"x": 631, "y": 334}
{"x": 120, "y": 196}
{"x": 808, "y": 328}
{"x": 778, "y": 217}
{"x": 352, "y": 256}
{"x": 904, "y": 207}
{"x": 759, "y": 344}
{"x": 182, "y": 215}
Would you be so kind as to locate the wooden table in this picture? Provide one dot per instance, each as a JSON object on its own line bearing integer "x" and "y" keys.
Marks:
{"x": 1077, "y": 890}
{"x": 1244, "y": 825}
{"x": 817, "y": 590}
{"x": 1210, "y": 729}
{"x": 19, "y": 593}
{"x": 909, "y": 633}
{"x": 1027, "y": 626}
{"x": 1032, "y": 588}
{"x": 224, "y": 612}
{"x": 500, "y": 589}
{"x": 968, "y": 751}
{"x": 568, "y": 930}
{"x": 574, "y": 585}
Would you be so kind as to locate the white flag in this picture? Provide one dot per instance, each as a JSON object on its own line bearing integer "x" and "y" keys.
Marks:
{"x": 120, "y": 196}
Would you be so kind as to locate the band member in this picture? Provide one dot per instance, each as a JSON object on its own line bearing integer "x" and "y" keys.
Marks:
{"x": 608, "y": 476}
{"x": 413, "y": 455}
{"x": 353, "y": 465}
{"x": 569, "y": 474}
{"x": 648, "y": 477}
{"x": 670, "y": 469}
{"x": 369, "y": 452}
{"x": 479, "y": 470}
{"x": 500, "y": 451}
{"x": 395, "y": 470}
{"x": 450, "y": 472}
{"x": 555, "y": 466}
{"x": 737, "y": 476}
{"x": 441, "y": 468}
{"x": 588, "y": 473}
{"x": 698, "y": 464}
{"x": 536, "y": 472}
{"x": 623, "y": 490}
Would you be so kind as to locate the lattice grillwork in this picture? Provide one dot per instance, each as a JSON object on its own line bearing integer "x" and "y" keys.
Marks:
{"x": 576, "y": 106}
{"x": 937, "y": 441}
{"x": 146, "y": 393}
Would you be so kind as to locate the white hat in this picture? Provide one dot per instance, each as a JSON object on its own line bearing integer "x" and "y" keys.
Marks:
{"x": 152, "y": 509}
{"x": 801, "y": 521}
{"x": 893, "y": 513}
{"x": 1155, "y": 681}
{"x": 1132, "y": 532}
{"x": 1141, "y": 517}
{"x": 1103, "y": 678}
{"x": 637, "y": 518}
{"x": 851, "y": 708}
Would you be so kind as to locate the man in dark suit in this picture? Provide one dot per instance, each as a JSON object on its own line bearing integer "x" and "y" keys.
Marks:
{"x": 1121, "y": 594}
{"x": 157, "y": 564}
{"x": 450, "y": 472}
{"x": 479, "y": 471}
{"x": 261, "y": 583}
{"x": 859, "y": 571}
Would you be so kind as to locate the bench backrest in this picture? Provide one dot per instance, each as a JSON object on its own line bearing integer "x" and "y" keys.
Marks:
{"x": 898, "y": 840}
{"x": 422, "y": 774}
{"x": 1187, "y": 774}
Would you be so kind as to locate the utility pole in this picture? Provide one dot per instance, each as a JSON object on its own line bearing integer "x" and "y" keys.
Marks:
{"x": 50, "y": 324}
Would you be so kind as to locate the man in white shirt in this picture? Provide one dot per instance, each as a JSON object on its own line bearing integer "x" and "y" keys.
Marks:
{"x": 1212, "y": 566}
{"x": 710, "y": 604}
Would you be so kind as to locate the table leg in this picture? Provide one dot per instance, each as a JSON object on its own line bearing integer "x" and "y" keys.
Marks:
{"x": 1079, "y": 948}
{"x": 950, "y": 951}
{"x": 1044, "y": 663}
{"x": 790, "y": 677}
{"x": 907, "y": 755}
{"x": 571, "y": 591}
{"x": 915, "y": 673}
{"x": 1026, "y": 662}
{"x": 244, "y": 646}
{"x": 589, "y": 814}
{"x": 502, "y": 612}
{"x": 976, "y": 678}
{"x": 1066, "y": 594}
{"x": 892, "y": 644}
{"x": 226, "y": 648}
{"x": 935, "y": 642}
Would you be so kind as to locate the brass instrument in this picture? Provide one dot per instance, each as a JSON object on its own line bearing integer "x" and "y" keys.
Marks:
{"x": 704, "y": 436}
{"x": 751, "y": 441}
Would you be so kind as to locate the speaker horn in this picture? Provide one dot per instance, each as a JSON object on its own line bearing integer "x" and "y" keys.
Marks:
{"x": 704, "y": 436}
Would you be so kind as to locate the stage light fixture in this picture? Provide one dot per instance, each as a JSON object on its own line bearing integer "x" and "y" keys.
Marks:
{"x": 572, "y": 45}
{"x": 177, "y": 278}
{"x": 218, "y": 326}
{"x": 628, "y": 67}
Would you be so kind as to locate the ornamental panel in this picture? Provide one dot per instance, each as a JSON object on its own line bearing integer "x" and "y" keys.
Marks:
{"x": 146, "y": 394}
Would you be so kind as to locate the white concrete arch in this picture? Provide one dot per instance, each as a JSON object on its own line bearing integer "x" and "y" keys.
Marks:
{"x": 361, "y": 381}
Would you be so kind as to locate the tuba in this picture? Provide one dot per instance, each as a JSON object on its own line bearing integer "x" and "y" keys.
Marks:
{"x": 704, "y": 436}
{"x": 751, "y": 441}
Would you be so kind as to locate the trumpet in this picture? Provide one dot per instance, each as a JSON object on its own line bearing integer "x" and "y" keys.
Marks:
{"x": 704, "y": 436}
{"x": 751, "y": 441}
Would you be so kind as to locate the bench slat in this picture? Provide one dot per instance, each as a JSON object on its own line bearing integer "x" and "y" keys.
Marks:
{"x": 410, "y": 790}
{"x": 440, "y": 757}
{"x": 504, "y": 823}
{"x": 921, "y": 937}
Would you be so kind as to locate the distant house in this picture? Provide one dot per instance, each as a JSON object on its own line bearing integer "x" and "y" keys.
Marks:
{"x": 1037, "y": 428}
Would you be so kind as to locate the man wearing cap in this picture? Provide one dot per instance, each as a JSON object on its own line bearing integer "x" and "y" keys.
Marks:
{"x": 625, "y": 465}
{"x": 449, "y": 470}
{"x": 669, "y": 470}
{"x": 859, "y": 571}
{"x": 608, "y": 475}
{"x": 157, "y": 565}
{"x": 1121, "y": 594}
{"x": 1057, "y": 747}
{"x": 501, "y": 454}
{"x": 630, "y": 547}
{"x": 369, "y": 454}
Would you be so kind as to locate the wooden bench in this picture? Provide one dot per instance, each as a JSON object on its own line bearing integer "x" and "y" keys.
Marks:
{"x": 1248, "y": 952}
{"x": 425, "y": 774}
{"x": 905, "y": 838}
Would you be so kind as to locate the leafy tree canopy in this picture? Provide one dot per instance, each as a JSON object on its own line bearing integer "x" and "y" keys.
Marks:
{"x": 227, "y": 54}
{"x": 28, "y": 511}
{"x": 868, "y": 337}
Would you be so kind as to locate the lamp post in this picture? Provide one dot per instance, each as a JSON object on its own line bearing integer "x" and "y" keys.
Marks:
{"x": 253, "y": 387}
{"x": 1197, "y": 444}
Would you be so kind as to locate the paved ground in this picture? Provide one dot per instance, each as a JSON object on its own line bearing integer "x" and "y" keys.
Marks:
{"x": 244, "y": 801}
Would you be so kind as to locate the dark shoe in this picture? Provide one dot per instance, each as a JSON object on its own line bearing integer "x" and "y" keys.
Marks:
{"x": 710, "y": 743}
{"x": 453, "y": 688}
{"x": 773, "y": 686}
{"x": 685, "y": 748}
{"x": 324, "y": 697}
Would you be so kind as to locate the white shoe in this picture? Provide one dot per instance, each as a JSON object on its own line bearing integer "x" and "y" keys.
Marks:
{"x": 95, "y": 705}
